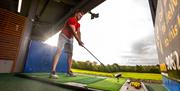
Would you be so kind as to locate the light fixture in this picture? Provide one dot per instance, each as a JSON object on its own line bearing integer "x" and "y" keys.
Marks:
{"x": 19, "y": 6}
{"x": 93, "y": 15}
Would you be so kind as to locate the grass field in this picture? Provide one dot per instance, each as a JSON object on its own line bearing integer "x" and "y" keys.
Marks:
{"x": 145, "y": 76}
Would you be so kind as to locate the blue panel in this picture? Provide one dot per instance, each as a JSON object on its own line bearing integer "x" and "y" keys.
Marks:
{"x": 62, "y": 65}
{"x": 40, "y": 58}
{"x": 171, "y": 85}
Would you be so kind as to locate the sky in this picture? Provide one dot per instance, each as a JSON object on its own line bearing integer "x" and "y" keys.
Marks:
{"x": 123, "y": 34}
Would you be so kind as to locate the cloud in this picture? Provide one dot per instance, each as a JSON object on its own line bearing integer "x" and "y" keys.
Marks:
{"x": 144, "y": 46}
{"x": 142, "y": 52}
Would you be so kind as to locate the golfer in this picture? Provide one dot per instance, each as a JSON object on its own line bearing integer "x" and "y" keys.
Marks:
{"x": 70, "y": 30}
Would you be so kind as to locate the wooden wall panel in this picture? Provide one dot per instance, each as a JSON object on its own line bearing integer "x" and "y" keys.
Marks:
{"x": 11, "y": 30}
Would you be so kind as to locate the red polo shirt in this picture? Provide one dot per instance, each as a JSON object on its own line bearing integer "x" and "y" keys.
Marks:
{"x": 71, "y": 21}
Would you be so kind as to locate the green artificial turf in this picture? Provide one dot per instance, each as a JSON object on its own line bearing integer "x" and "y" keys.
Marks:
{"x": 109, "y": 84}
{"x": 96, "y": 82}
{"x": 63, "y": 78}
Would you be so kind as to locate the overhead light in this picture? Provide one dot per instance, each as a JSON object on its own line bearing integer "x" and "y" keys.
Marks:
{"x": 19, "y": 6}
{"x": 93, "y": 15}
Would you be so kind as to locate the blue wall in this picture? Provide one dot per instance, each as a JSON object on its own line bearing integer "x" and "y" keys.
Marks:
{"x": 40, "y": 58}
{"x": 171, "y": 85}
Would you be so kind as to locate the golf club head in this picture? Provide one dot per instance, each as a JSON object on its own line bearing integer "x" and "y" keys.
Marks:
{"x": 118, "y": 75}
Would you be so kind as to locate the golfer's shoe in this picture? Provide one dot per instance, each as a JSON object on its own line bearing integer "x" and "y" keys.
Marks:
{"x": 70, "y": 74}
{"x": 53, "y": 76}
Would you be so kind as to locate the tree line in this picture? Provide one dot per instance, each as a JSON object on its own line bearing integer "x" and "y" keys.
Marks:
{"x": 94, "y": 66}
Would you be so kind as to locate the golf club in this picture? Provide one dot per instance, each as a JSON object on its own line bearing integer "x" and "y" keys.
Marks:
{"x": 116, "y": 75}
{"x": 93, "y": 55}
{"x": 97, "y": 59}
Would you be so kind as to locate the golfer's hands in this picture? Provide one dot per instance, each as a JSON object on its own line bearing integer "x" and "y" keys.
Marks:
{"x": 81, "y": 43}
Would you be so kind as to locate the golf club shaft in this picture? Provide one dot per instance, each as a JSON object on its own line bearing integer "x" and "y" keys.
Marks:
{"x": 97, "y": 59}
{"x": 93, "y": 55}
